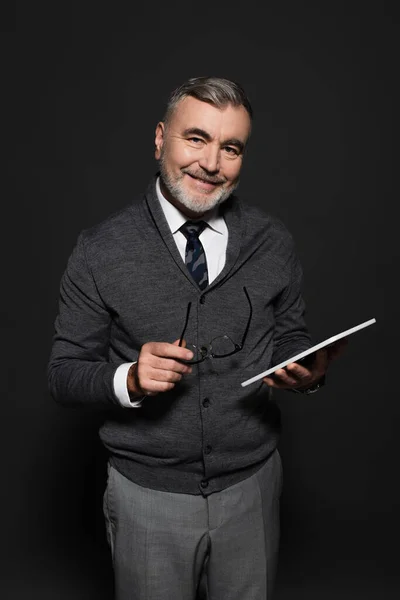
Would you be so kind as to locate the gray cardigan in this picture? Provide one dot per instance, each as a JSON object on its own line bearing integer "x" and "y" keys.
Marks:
{"x": 126, "y": 284}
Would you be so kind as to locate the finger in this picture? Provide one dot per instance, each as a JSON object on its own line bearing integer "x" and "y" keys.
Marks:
{"x": 155, "y": 382}
{"x": 167, "y": 364}
{"x": 153, "y": 387}
{"x": 149, "y": 375}
{"x": 279, "y": 380}
{"x": 182, "y": 345}
{"x": 270, "y": 382}
{"x": 166, "y": 350}
{"x": 287, "y": 378}
{"x": 276, "y": 382}
{"x": 282, "y": 379}
{"x": 298, "y": 371}
{"x": 141, "y": 386}
{"x": 306, "y": 377}
{"x": 164, "y": 376}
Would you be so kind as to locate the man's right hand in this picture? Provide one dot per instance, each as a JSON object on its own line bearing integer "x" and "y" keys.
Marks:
{"x": 158, "y": 368}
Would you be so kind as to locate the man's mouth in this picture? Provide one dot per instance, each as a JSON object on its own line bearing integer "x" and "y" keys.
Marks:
{"x": 205, "y": 181}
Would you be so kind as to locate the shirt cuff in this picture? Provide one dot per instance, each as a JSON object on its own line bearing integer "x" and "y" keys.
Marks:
{"x": 121, "y": 387}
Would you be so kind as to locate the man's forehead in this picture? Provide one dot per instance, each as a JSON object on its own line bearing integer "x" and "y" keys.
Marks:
{"x": 193, "y": 113}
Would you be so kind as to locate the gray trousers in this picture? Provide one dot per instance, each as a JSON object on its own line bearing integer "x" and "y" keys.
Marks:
{"x": 164, "y": 544}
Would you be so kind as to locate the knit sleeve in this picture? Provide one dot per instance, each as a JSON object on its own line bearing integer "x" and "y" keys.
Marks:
{"x": 78, "y": 369}
{"x": 291, "y": 335}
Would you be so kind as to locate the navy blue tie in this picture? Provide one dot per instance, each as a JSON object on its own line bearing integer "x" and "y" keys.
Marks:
{"x": 195, "y": 257}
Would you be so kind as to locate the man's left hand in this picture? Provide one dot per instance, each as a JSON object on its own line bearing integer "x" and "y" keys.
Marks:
{"x": 297, "y": 376}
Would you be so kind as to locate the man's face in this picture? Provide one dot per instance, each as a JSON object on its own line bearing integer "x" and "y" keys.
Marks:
{"x": 201, "y": 153}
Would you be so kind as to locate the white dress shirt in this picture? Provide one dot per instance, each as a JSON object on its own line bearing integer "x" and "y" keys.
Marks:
{"x": 214, "y": 239}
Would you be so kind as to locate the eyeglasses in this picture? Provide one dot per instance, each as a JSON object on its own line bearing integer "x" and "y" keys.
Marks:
{"x": 220, "y": 346}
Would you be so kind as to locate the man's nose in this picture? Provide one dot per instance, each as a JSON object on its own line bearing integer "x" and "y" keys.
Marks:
{"x": 210, "y": 159}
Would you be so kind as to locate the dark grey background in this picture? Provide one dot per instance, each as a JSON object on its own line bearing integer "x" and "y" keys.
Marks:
{"x": 92, "y": 82}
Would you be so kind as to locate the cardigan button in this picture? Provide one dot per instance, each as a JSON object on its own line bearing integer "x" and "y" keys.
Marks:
{"x": 206, "y": 402}
{"x": 202, "y": 299}
{"x": 204, "y": 484}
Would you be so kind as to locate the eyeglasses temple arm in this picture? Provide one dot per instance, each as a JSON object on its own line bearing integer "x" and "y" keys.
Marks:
{"x": 249, "y": 320}
{"x": 186, "y": 322}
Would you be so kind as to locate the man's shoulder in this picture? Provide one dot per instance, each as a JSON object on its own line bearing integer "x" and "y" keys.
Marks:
{"x": 116, "y": 225}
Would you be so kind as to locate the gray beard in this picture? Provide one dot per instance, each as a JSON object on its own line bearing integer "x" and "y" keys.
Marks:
{"x": 196, "y": 206}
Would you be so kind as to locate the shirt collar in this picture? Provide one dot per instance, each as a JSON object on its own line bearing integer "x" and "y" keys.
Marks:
{"x": 175, "y": 218}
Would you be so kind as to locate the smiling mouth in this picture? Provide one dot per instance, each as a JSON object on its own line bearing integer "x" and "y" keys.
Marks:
{"x": 204, "y": 180}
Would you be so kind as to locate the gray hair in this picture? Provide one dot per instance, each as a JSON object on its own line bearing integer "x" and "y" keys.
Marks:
{"x": 214, "y": 90}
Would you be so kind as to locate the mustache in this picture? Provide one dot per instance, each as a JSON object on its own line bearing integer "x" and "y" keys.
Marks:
{"x": 203, "y": 176}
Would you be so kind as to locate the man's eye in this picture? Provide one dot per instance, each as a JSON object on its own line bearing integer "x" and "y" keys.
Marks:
{"x": 196, "y": 140}
{"x": 231, "y": 150}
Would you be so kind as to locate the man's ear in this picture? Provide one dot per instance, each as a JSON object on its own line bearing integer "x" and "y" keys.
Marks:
{"x": 159, "y": 139}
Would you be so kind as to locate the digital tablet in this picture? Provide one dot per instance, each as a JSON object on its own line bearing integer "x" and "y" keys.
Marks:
{"x": 298, "y": 357}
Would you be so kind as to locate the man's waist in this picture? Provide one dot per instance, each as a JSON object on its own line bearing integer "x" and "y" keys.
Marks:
{"x": 191, "y": 477}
